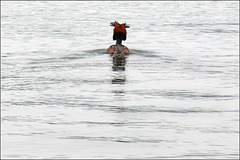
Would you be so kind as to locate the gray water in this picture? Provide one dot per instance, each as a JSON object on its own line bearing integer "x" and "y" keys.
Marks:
{"x": 177, "y": 97}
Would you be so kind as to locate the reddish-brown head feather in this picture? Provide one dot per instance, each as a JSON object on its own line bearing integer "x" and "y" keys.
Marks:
{"x": 120, "y": 32}
{"x": 120, "y": 28}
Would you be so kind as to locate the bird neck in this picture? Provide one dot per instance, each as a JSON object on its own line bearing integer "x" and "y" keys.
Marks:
{"x": 119, "y": 41}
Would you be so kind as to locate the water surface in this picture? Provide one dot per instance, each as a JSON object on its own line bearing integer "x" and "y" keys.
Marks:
{"x": 177, "y": 97}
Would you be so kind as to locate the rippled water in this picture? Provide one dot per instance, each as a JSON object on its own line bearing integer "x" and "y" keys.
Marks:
{"x": 177, "y": 97}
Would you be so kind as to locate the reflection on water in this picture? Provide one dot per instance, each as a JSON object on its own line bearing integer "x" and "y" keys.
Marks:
{"x": 119, "y": 62}
{"x": 119, "y": 79}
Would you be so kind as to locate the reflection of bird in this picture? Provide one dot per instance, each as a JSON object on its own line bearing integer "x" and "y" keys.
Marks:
{"x": 119, "y": 34}
{"x": 119, "y": 61}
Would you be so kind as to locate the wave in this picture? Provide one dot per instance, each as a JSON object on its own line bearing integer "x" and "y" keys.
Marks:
{"x": 117, "y": 139}
{"x": 201, "y": 24}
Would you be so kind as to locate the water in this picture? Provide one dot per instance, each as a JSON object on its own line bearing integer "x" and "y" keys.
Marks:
{"x": 177, "y": 97}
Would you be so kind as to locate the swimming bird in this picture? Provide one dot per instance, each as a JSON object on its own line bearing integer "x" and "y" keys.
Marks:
{"x": 119, "y": 34}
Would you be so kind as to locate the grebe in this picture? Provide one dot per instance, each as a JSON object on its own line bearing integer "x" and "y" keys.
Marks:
{"x": 119, "y": 34}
